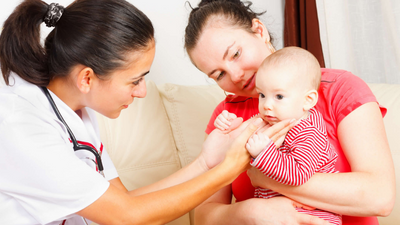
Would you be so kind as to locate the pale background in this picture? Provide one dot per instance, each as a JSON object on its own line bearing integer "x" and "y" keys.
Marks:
{"x": 362, "y": 37}
{"x": 169, "y": 17}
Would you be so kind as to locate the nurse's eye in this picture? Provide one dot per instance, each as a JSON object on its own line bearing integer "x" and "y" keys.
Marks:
{"x": 137, "y": 82}
{"x": 279, "y": 97}
{"x": 221, "y": 75}
{"x": 261, "y": 95}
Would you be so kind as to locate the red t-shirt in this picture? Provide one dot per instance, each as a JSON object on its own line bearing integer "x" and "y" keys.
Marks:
{"x": 340, "y": 93}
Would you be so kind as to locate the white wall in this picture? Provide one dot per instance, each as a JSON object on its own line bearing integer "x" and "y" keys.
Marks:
{"x": 171, "y": 63}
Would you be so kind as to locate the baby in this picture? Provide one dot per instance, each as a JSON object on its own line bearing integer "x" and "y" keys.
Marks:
{"x": 287, "y": 82}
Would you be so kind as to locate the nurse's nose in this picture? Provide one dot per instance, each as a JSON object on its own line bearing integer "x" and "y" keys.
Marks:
{"x": 140, "y": 91}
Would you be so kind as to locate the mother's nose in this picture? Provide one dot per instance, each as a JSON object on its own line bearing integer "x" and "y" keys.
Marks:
{"x": 236, "y": 74}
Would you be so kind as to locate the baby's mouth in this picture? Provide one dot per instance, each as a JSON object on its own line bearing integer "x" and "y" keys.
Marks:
{"x": 270, "y": 118}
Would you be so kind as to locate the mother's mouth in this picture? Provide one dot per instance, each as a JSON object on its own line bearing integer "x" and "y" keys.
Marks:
{"x": 250, "y": 82}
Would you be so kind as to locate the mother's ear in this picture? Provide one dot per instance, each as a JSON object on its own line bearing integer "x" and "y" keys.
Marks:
{"x": 311, "y": 99}
{"x": 260, "y": 30}
{"x": 85, "y": 79}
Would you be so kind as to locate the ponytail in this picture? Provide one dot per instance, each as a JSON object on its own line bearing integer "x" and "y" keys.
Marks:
{"x": 20, "y": 48}
{"x": 94, "y": 33}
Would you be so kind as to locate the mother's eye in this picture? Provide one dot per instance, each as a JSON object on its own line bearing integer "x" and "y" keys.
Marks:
{"x": 220, "y": 75}
{"x": 236, "y": 55}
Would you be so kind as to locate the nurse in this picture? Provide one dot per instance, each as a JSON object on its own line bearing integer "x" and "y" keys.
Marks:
{"x": 95, "y": 59}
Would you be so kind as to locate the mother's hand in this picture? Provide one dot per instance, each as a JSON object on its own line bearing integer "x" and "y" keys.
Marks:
{"x": 257, "y": 178}
{"x": 276, "y": 211}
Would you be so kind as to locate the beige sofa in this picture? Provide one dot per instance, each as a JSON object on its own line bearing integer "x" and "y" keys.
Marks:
{"x": 163, "y": 132}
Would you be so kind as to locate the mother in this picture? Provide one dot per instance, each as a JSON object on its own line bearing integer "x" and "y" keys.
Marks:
{"x": 227, "y": 41}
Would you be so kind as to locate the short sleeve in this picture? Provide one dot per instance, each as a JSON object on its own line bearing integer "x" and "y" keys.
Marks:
{"x": 43, "y": 174}
{"x": 342, "y": 92}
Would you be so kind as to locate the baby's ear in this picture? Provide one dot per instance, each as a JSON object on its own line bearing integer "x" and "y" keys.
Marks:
{"x": 311, "y": 99}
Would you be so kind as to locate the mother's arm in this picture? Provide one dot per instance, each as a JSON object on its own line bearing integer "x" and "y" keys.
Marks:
{"x": 369, "y": 189}
{"x": 256, "y": 211}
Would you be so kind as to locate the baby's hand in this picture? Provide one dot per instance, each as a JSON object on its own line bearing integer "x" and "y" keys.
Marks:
{"x": 225, "y": 120}
{"x": 257, "y": 143}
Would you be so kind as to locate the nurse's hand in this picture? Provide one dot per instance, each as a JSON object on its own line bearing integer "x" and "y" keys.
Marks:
{"x": 217, "y": 143}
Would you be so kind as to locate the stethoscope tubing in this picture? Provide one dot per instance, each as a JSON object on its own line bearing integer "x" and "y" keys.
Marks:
{"x": 76, "y": 145}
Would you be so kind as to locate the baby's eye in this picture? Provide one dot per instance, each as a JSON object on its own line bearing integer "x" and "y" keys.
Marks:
{"x": 279, "y": 97}
{"x": 137, "y": 82}
{"x": 261, "y": 95}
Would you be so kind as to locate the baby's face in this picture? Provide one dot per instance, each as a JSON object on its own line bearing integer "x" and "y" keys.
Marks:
{"x": 281, "y": 96}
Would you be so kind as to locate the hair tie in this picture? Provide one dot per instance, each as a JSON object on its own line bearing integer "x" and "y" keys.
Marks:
{"x": 54, "y": 13}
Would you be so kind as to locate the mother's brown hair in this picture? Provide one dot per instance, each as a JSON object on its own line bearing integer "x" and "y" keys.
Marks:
{"x": 235, "y": 13}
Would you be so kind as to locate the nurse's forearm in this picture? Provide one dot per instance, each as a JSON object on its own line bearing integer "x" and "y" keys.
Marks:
{"x": 160, "y": 207}
{"x": 188, "y": 172}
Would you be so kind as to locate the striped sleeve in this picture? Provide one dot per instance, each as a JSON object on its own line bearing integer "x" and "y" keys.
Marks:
{"x": 294, "y": 165}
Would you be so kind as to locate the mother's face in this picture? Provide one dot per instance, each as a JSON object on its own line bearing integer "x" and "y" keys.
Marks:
{"x": 231, "y": 56}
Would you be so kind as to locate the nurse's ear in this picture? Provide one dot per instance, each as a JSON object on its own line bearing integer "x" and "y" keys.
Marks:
{"x": 310, "y": 100}
{"x": 260, "y": 30}
{"x": 85, "y": 79}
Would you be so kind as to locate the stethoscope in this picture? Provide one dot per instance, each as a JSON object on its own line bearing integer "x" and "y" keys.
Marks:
{"x": 77, "y": 146}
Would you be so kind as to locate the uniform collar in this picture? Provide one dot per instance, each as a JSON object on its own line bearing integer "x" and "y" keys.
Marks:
{"x": 34, "y": 95}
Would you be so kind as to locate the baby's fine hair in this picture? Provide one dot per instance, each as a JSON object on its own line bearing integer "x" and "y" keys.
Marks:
{"x": 305, "y": 63}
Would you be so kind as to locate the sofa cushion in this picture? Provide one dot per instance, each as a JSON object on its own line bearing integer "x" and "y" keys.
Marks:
{"x": 189, "y": 109}
{"x": 140, "y": 141}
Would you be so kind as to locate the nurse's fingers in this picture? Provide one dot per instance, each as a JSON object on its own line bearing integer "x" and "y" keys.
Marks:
{"x": 279, "y": 130}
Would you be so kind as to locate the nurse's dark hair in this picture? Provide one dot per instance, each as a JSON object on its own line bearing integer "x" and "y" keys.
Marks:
{"x": 232, "y": 12}
{"x": 94, "y": 33}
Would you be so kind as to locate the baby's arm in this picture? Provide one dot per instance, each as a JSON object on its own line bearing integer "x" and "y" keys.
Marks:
{"x": 257, "y": 143}
{"x": 227, "y": 121}
{"x": 297, "y": 167}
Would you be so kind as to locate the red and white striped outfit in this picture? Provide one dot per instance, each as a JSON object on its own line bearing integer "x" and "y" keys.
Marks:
{"x": 305, "y": 151}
